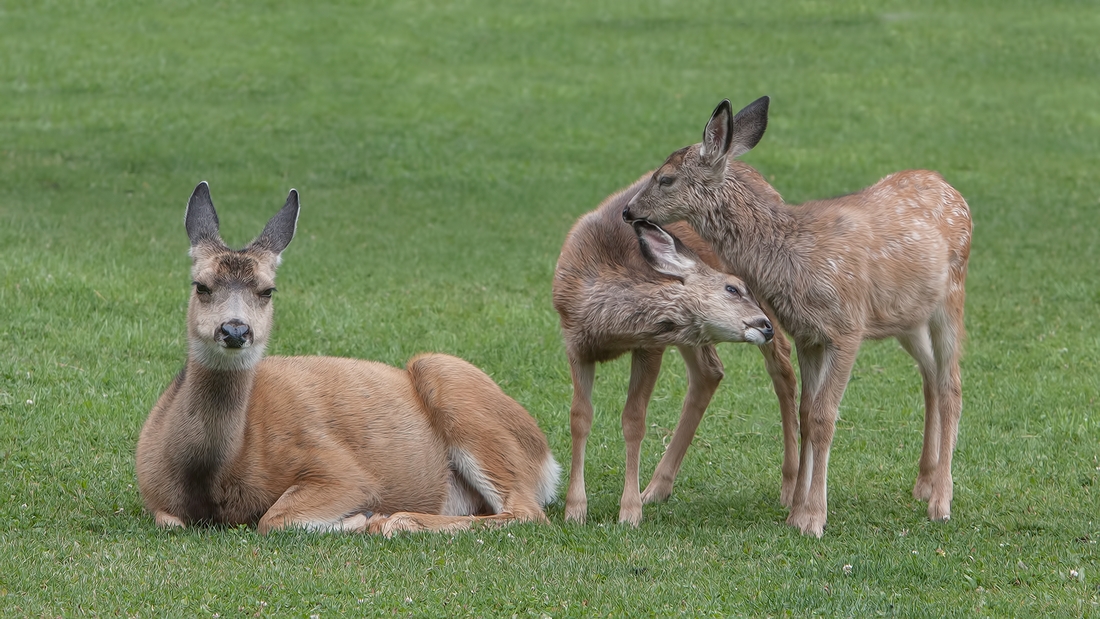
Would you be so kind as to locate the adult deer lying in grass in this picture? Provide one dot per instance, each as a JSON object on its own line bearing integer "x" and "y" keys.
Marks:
{"x": 620, "y": 290}
{"x": 889, "y": 260}
{"x": 319, "y": 442}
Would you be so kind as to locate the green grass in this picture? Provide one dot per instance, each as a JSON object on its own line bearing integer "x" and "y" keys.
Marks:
{"x": 442, "y": 151}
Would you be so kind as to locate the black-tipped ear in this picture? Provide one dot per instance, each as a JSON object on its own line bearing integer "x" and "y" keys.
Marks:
{"x": 748, "y": 127}
{"x": 201, "y": 220}
{"x": 661, "y": 250}
{"x": 716, "y": 135}
{"x": 280, "y": 229}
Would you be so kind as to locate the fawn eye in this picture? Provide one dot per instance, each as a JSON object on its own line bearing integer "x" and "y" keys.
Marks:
{"x": 730, "y": 288}
{"x": 201, "y": 288}
{"x": 267, "y": 293}
{"x": 666, "y": 181}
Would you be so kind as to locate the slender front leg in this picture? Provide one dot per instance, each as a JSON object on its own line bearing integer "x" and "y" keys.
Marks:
{"x": 777, "y": 360}
{"x": 645, "y": 366}
{"x": 580, "y": 424}
{"x": 825, "y": 373}
{"x": 704, "y": 373}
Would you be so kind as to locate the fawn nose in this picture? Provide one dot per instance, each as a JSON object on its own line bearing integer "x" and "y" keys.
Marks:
{"x": 628, "y": 217}
{"x": 234, "y": 333}
{"x": 765, "y": 327}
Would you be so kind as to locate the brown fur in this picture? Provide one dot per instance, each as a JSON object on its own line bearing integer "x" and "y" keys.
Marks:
{"x": 321, "y": 442}
{"x": 613, "y": 300}
{"x": 887, "y": 261}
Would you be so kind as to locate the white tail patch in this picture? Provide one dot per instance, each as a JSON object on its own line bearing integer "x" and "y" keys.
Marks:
{"x": 547, "y": 490}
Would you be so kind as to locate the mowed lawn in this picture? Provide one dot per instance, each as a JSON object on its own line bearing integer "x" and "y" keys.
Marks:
{"x": 442, "y": 151}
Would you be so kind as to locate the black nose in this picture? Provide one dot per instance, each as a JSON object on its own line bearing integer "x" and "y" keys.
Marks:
{"x": 234, "y": 333}
{"x": 765, "y": 327}
{"x": 628, "y": 217}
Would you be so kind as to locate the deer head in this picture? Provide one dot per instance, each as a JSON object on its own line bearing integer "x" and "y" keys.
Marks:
{"x": 721, "y": 302}
{"x": 694, "y": 174}
{"x": 229, "y": 315}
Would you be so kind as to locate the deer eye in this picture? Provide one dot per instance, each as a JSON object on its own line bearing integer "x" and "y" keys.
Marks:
{"x": 267, "y": 293}
{"x": 666, "y": 181}
{"x": 730, "y": 288}
{"x": 201, "y": 288}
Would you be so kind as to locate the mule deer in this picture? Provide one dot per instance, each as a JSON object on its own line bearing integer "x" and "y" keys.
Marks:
{"x": 617, "y": 292}
{"x": 889, "y": 260}
{"x": 320, "y": 442}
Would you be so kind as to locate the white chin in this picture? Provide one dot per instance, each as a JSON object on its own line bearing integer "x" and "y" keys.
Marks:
{"x": 754, "y": 336}
{"x": 214, "y": 356}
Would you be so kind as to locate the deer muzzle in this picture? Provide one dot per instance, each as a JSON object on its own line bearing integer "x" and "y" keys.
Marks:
{"x": 234, "y": 334}
{"x": 763, "y": 326}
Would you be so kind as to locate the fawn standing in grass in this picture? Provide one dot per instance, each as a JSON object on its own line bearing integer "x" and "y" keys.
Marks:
{"x": 620, "y": 290}
{"x": 887, "y": 261}
{"x": 324, "y": 443}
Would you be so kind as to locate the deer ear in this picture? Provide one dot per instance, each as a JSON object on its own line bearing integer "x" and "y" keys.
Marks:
{"x": 280, "y": 229}
{"x": 201, "y": 220}
{"x": 748, "y": 127}
{"x": 716, "y": 136}
{"x": 661, "y": 250}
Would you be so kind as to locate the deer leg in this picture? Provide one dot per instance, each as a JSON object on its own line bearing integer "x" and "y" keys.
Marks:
{"x": 410, "y": 522}
{"x": 777, "y": 360}
{"x": 318, "y": 506}
{"x": 810, "y": 366}
{"x": 918, "y": 344}
{"x": 704, "y": 372}
{"x": 165, "y": 520}
{"x": 580, "y": 424}
{"x": 825, "y": 374}
{"x": 645, "y": 366}
{"x": 946, "y": 335}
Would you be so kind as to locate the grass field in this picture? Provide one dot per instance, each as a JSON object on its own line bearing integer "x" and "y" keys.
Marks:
{"x": 442, "y": 150}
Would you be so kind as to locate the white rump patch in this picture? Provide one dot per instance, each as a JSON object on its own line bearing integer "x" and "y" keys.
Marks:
{"x": 471, "y": 471}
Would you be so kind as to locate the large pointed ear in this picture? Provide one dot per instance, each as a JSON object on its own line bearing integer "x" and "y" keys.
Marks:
{"x": 661, "y": 250}
{"x": 280, "y": 230}
{"x": 716, "y": 136}
{"x": 748, "y": 127}
{"x": 201, "y": 220}
{"x": 732, "y": 136}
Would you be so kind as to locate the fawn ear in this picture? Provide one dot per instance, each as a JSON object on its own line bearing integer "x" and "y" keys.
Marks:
{"x": 732, "y": 136}
{"x": 748, "y": 127}
{"x": 201, "y": 220}
{"x": 661, "y": 250}
{"x": 280, "y": 229}
{"x": 716, "y": 136}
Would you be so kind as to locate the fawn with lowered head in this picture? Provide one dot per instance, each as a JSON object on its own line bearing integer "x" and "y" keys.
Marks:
{"x": 887, "y": 261}
{"x": 324, "y": 443}
{"x": 620, "y": 290}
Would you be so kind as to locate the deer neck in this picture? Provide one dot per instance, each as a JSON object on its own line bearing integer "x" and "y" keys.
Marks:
{"x": 756, "y": 234}
{"x": 210, "y": 430}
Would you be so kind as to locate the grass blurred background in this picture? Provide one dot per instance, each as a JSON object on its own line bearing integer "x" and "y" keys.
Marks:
{"x": 442, "y": 150}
